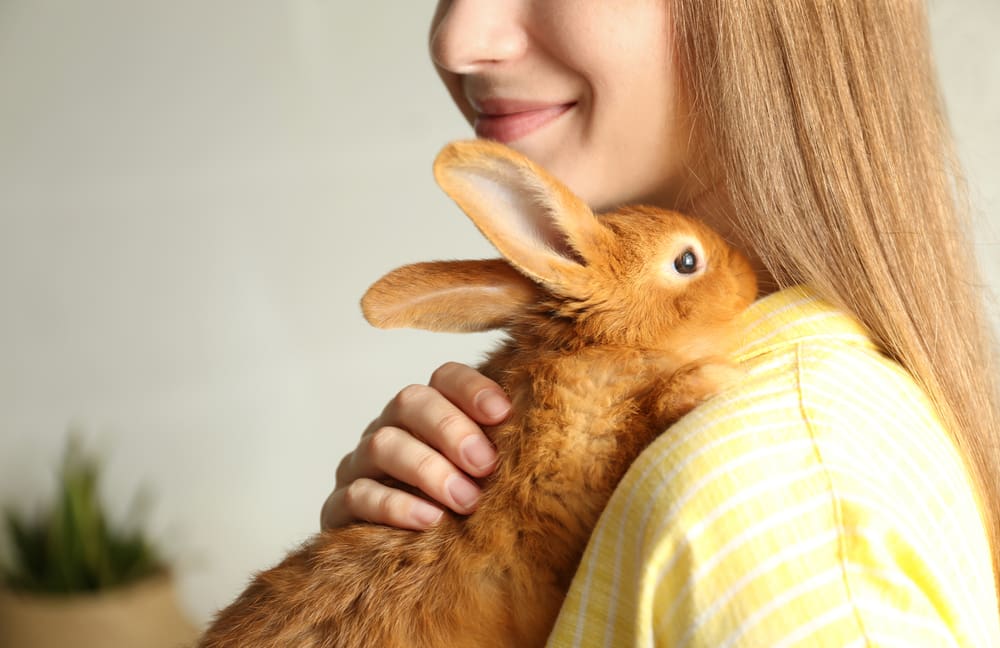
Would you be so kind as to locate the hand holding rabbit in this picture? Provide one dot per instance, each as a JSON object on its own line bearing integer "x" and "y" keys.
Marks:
{"x": 429, "y": 437}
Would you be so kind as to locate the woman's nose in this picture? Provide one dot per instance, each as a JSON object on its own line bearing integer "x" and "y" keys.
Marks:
{"x": 474, "y": 34}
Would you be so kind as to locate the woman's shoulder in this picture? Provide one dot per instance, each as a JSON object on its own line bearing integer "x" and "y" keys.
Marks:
{"x": 809, "y": 366}
{"x": 819, "y": 420}
{"x": 816, "y": 392}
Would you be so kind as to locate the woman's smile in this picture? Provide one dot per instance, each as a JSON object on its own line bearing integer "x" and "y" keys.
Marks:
{"x": 507, "y": 120}
{"x": 558, "y": 81}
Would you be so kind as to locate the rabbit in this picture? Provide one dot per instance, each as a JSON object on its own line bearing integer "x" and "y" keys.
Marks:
{"x": 617, "y": 325}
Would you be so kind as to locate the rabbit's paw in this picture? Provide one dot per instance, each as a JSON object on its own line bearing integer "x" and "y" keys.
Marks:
{"x": 692, "y": 385}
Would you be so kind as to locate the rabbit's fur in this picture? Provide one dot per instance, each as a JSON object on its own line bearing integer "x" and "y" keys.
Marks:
{"x": 608, "y": 344}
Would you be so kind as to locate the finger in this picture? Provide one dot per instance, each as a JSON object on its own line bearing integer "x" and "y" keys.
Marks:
{"x": 428, "y": 415}
{"x": 366, "y": 499}
{"x": 397, "y": 453}
{"x": 334, "y": 513}
{"x": 356, "y": 465}
{"x": 479, "y": 397}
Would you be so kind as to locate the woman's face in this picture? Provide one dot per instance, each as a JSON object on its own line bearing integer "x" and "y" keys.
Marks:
{"x": 586, "y": 88}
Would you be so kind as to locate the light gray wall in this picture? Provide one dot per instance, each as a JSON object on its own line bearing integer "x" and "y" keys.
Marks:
{"x": 193, "y": 196}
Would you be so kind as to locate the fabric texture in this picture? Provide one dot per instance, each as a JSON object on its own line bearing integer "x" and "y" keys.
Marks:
{"x": 818, "y": 502}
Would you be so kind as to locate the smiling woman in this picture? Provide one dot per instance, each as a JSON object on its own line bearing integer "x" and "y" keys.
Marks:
{"x": 605, "y": 70}
{"x": 812, "y": 135}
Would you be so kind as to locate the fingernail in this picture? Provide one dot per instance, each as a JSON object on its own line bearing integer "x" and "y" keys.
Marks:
{"x": 492, "y": 404}
{"x": 478, "y": 452}
{"x": 463, "y": 492}
{"x": 425, "y": 514}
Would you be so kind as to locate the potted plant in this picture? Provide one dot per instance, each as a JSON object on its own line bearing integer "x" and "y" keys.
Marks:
{"x": 76, "y": 580}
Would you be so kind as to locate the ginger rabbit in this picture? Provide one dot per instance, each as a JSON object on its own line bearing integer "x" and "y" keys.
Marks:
{"x": 617, "y": 326}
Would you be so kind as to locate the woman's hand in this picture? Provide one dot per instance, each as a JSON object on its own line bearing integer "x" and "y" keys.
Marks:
{"x": 429, "y": 437}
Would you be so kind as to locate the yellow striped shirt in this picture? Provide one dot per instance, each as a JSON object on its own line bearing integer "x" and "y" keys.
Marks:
{"x": 818, "y": 502}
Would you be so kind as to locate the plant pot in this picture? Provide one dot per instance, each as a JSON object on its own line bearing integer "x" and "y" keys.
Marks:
{"x": 143, "y": 614}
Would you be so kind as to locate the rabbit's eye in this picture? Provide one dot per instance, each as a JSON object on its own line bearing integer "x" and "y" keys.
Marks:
{"x": 686, "y": 263}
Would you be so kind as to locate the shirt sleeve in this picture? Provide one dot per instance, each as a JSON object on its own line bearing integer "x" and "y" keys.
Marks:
{"x": 768, "y": 518}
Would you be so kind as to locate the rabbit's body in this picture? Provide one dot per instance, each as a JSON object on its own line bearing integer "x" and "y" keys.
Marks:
{"x": 497, "y": 577}
{"x": 592, "y": 383}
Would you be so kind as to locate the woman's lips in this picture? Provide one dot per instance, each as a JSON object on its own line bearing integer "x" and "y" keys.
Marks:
{"x": 507, "y": 120}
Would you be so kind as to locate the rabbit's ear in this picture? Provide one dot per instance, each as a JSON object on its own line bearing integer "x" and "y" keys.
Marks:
{"x": 539, "y": 225}
{"x": 451, "y": 296}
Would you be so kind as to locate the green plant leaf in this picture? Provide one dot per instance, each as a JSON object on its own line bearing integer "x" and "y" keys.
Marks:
{"x": 73, "y": 548}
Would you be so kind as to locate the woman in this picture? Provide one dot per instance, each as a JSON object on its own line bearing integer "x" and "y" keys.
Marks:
{"x": 847, "y": 490}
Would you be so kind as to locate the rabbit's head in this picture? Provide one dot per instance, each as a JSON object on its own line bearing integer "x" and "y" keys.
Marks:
{"x": 637, "y": 275}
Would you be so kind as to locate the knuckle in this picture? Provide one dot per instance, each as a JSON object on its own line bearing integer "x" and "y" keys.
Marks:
{"x": 409, "y": 396}
{"x": 355, "y": 495}
{"x": 343, "y": 468}
{"x": 379, "y": 441}
{"x": 451, "y": 426}
{"x": 446, "y": 372}
{"x": 389, "y": 505}
{"x": 425, "y": 467}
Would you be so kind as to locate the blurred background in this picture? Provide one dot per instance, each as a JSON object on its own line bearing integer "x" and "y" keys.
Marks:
{"x": 193, "y": 197}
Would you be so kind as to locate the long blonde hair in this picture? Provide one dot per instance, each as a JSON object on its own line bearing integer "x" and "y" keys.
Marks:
{"x": 824, "y": 121}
